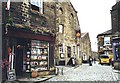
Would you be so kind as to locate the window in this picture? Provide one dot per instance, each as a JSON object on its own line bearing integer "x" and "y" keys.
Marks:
{"x": 69, "y": 51}
{"x": 74, "y": 50}
{"x": 61, "y": 28}
{"x": 61, "y": 49}
{"x": 37, "y": 5}
{"x": 61, "y": 52}
{"x": 60, "y": 11}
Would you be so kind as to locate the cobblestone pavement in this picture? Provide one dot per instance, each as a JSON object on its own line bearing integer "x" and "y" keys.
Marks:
{"x": 84, "y": 72}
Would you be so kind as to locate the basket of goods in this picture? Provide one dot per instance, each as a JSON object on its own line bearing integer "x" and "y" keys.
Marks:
{"x": 34, "y": 73}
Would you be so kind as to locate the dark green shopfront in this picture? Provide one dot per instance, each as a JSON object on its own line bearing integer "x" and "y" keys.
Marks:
{"x": 25, "y": 52}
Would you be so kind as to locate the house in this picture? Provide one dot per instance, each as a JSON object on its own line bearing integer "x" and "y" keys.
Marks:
{"x": 85, "y": 47}
{"x": 105, "y": 43}
{"x": 115, "y": 18}
{"x": 67, "y": 33}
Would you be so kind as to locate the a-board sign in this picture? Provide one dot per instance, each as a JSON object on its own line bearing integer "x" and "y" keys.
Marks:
{"x": 11, "y": 75}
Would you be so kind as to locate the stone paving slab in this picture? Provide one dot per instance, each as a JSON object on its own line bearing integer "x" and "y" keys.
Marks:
{"x": 31, "y": 80}
{"x": 84, "y": 72}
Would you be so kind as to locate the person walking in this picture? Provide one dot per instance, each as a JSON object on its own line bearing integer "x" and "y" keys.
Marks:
{"x": 90, "y": 60}
{"x": 94, "y": 60}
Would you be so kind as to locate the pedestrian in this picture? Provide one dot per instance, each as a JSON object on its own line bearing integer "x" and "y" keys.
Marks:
{"x": 94, "y": 60}
{"x": 90, "y": 60}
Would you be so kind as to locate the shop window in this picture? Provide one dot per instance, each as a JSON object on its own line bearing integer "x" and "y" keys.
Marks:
{"x": 39, "y": 55}
{"x": 61, "y": 28}
{"x": 37, "y": 5}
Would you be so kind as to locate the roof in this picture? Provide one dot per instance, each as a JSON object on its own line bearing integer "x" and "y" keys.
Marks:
{"x": 109, "y": 32}
{"x": 83, "y": 34}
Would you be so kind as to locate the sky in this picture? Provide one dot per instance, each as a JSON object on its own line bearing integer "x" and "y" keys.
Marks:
{"x": 94, "y": 17}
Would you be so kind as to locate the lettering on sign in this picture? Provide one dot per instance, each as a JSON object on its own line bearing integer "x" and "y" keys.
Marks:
{"x": 11, "y": 75}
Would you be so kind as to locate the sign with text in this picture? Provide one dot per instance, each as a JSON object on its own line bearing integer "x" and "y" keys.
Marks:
{"x": 11, "y": 75}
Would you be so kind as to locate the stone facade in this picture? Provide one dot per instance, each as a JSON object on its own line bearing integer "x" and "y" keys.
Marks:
{"x": 115, "y": 17}
{"x": 85, "y": 46}
{"x": 29, "y": 33}
{"x": 66, "y": 26}
{"x": 105, "y": 43}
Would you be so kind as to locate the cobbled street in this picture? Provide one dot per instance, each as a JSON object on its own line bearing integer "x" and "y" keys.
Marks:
{"x": 84, "y": 72}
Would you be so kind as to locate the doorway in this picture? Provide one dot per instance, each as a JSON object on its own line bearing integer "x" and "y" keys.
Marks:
{"x": 19, "y": 60}
{"x": 21, "y": 50}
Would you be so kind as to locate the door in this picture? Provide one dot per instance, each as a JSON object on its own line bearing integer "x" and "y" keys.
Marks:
{"x": 19, "y": 60}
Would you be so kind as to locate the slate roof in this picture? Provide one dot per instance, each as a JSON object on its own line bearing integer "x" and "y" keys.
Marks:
{"x": 109, "y": 32}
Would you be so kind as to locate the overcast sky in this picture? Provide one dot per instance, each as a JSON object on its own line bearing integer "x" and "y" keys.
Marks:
{"x": 94, "y": 17}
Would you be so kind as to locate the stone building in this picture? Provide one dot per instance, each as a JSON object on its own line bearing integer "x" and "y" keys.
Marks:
{"x": 67, "y": 26}
{"x": 33, "y": 34}
{"x": 115, "y": 18}
{"x": 85, "y": 46}
{"x": 105, "y": 43}
{"x": 28, "y": 40}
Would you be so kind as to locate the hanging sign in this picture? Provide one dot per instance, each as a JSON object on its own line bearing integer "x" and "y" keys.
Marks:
{"x": 78, "y": 34}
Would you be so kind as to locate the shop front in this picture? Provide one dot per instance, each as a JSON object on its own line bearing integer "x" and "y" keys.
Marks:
{"x": 26, "y": 52}
{"x": 116, "y": 53}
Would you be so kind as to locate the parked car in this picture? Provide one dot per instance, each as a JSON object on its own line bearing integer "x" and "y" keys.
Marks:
{"x": 104, "y": 59}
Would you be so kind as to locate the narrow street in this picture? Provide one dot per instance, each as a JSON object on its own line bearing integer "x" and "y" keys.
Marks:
{"x": 84, "y": 72}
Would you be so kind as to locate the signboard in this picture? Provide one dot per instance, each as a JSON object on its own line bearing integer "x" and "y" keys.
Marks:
{"x": 11, "y": 75}
{"x": 106, "y": 41}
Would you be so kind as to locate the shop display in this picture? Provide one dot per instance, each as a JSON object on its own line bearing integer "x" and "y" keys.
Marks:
{"x": 39, "y": 55}
{"x": 27, "y": 62}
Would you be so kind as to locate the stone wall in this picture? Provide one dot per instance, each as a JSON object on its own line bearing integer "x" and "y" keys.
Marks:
{"x": 85, "y": 45}
{"x": 64, "y": 16}
{"x": 68, "y": 18}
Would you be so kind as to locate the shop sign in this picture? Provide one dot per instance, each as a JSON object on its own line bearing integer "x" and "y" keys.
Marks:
{"x": 11, "y": 75}
{"x": 114, "y": 44}
{"x": 106, "y": 41}
{"x": 78, "y": 34}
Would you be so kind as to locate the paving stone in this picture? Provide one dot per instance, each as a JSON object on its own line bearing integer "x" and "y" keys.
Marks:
{"x": 84, "y": 72}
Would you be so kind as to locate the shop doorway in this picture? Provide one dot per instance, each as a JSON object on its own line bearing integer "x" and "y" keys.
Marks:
{"x": 19, "y": 60}
{"x": 21, "y": 49}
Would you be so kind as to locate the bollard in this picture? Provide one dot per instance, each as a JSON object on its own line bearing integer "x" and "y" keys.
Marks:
{"x": 62, "y": 71}
{"x": 56, "y": 71}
